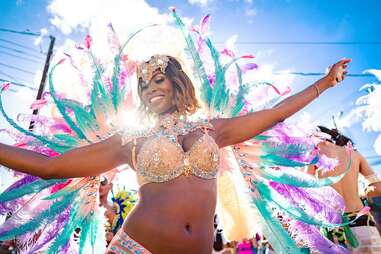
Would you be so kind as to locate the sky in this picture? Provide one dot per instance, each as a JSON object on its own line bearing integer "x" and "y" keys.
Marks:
{"x": 270, "y": 30}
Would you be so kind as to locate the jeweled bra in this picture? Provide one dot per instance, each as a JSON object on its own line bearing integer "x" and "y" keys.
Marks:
{"x": 161, "y": 158}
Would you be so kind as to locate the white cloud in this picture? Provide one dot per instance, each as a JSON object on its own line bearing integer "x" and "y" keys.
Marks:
{"x": 377, "y": 145}
{"x": 374, "y": 72}
{"x": 93, "y": 16}
{"x": 201, "y": 3}
{"x": 251, "y": 12}
{"x": 367, "y": 110}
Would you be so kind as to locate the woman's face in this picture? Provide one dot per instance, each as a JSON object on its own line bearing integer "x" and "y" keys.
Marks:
{"x": 158, "y": 94}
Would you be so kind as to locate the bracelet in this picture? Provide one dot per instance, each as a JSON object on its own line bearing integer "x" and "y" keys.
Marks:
{"x": 317, "y": 90}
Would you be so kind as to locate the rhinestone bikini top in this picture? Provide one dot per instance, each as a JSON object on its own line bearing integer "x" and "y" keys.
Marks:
{"x": 161, "y": 158}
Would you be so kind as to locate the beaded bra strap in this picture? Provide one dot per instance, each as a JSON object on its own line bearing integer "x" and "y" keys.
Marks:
{"x": 133, "y": 153}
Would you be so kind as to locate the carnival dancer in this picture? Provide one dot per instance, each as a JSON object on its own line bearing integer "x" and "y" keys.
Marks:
{"x": 176, "y": 160}
{"x": 362, "y": 235}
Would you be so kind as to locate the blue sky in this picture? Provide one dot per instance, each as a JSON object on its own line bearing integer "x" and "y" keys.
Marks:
{"x": 253, "y": 21}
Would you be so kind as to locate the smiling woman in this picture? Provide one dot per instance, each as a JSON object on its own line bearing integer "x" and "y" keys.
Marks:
{"x": 177, "y": 162}
{"x": 169, "y": 89}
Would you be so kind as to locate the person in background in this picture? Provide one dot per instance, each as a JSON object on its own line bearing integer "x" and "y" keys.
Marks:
{"x": 361, "y": 235}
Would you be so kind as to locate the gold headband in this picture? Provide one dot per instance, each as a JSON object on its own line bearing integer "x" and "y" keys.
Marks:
{"x": 145, "y": 70}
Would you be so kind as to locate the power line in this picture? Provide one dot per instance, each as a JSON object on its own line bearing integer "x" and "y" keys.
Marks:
{"x": 356, "y": 75}
{"x": 20, "y": 57}
{"x": 20, "y": 52}
{"x": 306, "y": 42}
{"x": 16, "y": 68}
{"x": 12, "y": 77}
{"x": 18, "y": 84}
{"x": 7, "y": 75}
{"x": 17, "y": 44}
{"x": 20, "y": 32}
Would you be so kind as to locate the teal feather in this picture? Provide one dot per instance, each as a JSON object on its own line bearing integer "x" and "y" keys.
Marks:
{"x": 62, "y": 239}
{"x": 61, "y": 107}
{"x": 115, "y": 83}
{"x": 206, "y": 89}
{"x": 42, "y": 218}
{"x": 29, "y": 188}
{"x": 133, "y": 35}
{"x": 276, "y": 160}
{"x": 51, "y": 144}
{"x": 100, "y": 102}
{"x": 240, "y": 97}
{"x": 85, "y": 120}
{"x": 280, "y": 240}
{"x": 94, "y": 231}
{"x": 85, "y": 230}
{"x": 67, "y": 140}
{"x": 220, "y": 95}
{"x": 286, "y": 149}
{"x": 293, "y": 177}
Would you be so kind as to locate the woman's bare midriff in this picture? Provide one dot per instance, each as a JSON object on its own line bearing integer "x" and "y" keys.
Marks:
{"x": 174, "y": 216}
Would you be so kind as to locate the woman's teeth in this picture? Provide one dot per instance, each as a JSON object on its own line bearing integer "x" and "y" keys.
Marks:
{"x": 155, "y": 98}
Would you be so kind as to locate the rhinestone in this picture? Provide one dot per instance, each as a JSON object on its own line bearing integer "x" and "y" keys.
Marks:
{"x": 186, "y": 162}
{"x": 156, "y": 157}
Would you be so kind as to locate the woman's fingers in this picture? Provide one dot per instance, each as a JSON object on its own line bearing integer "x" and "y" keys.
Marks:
{"x": 344, "y": 61}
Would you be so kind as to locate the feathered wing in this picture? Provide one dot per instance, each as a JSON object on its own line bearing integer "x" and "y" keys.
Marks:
{"x": 50, "y": 211}
{"x": 292, "y": 205}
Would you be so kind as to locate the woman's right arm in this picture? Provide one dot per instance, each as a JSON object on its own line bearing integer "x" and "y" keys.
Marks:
{"x": 85, "y": 161}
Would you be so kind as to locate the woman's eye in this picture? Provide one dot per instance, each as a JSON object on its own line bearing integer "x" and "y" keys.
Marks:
{"x": 159, "y": 80}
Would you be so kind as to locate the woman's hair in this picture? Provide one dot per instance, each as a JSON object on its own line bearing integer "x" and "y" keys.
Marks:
{"x": 184, "y": 93}
{"x": 336, "y": 137}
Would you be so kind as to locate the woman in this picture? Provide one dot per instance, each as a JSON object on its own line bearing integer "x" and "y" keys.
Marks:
{"x": 176, "y": 206}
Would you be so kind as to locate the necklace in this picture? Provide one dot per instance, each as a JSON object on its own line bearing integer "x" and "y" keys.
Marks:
{"x": 173, "y": 124}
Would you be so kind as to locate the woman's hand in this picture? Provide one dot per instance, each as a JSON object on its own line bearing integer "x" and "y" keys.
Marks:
{"x": 337, "y": 72}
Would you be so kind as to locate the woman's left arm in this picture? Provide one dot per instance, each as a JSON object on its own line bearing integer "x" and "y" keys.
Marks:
{"x": 235, "y": 130}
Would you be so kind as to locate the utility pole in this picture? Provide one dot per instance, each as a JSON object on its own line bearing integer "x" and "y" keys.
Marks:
{"x": 43, "y": 78}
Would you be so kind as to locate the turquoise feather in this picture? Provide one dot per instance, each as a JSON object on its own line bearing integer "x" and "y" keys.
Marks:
{"x": 51, "y": 144}
{"x": 29, "y": 188}
{"x": 280, "y": 240}
{"x": 62, "y": 239}
{"x": 41, "y": 219}
{"x": 61, "y": 107}
{"x": 85, "y": 120}
{"x": 206, "y": 89}
{"x": 85, "y": 230}
{"x": 115, "y": 83}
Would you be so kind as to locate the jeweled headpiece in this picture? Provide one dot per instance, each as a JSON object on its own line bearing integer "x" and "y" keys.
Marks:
{"x": 145, "y": 70}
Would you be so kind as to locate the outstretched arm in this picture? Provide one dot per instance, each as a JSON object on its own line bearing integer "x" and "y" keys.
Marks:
{"x": 236, "y": 130}
{"x": 85, "y": 161}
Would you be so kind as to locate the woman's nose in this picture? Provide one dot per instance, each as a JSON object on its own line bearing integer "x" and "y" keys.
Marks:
{"x": 152, "y": 87}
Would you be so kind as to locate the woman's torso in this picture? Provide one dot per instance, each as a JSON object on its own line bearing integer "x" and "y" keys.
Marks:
{"x": 176, "y": 215}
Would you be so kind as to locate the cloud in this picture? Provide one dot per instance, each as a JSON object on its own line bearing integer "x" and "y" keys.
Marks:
{"x": 367, "y": 110}
{"x": 251, "y": 12}
{"x": 201, "y": 3}
{"x": 93, "y": 17}
{"x": 374, "y": 72}
{"x": 69, "y": 15}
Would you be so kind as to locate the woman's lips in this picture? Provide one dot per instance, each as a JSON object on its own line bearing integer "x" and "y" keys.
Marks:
{"x": 156, "y": 98}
